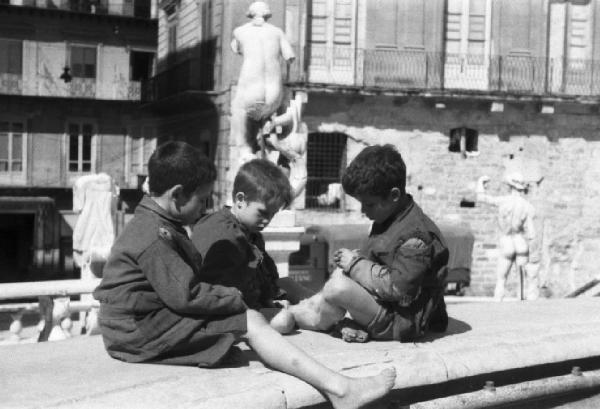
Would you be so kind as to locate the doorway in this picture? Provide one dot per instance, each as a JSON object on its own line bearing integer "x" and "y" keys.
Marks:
{"x": 16, "y": 246}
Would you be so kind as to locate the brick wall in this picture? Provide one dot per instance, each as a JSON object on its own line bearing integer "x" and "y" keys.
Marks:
{"x": 563, "y": 148}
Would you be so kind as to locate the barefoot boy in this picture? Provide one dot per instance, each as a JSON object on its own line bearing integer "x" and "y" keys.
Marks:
{"x": 156, "y": 308}
{"x": 393, "y": 287}
{"x": 233, "y": 249}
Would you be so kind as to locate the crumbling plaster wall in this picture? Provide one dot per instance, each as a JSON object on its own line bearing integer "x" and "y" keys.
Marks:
{"x": 562, "y": 148}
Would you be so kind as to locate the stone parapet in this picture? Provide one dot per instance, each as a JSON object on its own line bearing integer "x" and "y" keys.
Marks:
{"x": 484, "y": 339}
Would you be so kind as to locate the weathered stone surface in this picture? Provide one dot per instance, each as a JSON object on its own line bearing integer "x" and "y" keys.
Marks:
{"x": 482, "y": 338}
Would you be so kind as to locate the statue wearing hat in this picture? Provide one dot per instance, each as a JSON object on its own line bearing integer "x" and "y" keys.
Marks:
{"x": 515, "y": 221}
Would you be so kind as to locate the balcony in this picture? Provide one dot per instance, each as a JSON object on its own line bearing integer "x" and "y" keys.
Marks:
{"x": 416, "y": 71}
{"x": 89, "y": 88}
{"x": 129, "y": 8}
{"x": 10, "y": 83}
{"x": 83, "y": 88}
{"x": 191, "y": 74}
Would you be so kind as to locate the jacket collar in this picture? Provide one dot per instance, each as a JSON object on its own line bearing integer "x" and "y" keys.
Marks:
{"x": 398, "y": 216}
{"x": 150, "y": 206}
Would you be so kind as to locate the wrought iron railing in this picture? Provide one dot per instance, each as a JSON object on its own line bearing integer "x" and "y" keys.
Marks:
{"x": 11, "y": 83}
{"x": 16, "y": 84}
{"x": 391, "y": 69}
{"x": 140, "y": 9}
{"x": 192, "y": 74}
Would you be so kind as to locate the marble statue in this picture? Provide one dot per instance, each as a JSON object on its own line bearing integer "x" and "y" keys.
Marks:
{"x": 261, "y": 126}
{"x": 259, "y": 93}
{"x": 515, "y": 221}
{"x": 94, "y": 199}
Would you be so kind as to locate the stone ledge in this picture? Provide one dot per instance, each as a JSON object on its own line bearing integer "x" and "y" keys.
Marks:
{"x": 483, "y": 338}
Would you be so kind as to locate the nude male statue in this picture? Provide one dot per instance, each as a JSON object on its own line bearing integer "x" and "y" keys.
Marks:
{"x": 260, "y": 85}
{"x": 515, "y": 221}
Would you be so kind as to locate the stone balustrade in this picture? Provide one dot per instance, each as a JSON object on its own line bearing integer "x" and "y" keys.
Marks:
{"x": 54, "y": 306}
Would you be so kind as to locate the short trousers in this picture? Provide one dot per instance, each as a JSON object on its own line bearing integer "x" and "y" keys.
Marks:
{"x": 405, "y": 324}
{"x": 392, "y": 325}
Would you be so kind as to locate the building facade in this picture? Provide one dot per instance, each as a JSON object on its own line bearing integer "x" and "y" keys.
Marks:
{"x": 463, "y": 88}
{"x": 71, "y": 73}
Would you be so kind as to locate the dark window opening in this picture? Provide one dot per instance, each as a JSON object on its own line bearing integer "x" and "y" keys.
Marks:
{"x": 141, "y": 65}
{"x": 83, "y": 62}
{"x": 142, "y": 9}
{"x": 326, "y": 159}
{"x": 464, "y": 140}
{"x": 11, "y": 56}
{"x": 80, "y": 147}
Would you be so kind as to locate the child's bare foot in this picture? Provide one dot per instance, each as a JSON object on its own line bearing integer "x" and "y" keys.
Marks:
{"x": 351, "y": 331}
{"x": 362, "y": 391}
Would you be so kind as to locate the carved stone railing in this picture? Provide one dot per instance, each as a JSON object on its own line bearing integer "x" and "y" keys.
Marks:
{"x": 54, "y": 306}
{"x": 83, "y": 88}
{"x": 11, "y": 84}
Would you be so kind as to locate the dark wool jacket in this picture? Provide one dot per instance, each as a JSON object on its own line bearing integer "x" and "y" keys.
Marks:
{"x": 404, "y": 262}
{"x": 235, "y": 257}
{"x": 154, "y": 305}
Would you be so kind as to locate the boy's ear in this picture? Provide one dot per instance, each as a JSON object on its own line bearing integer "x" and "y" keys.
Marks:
{"x": 177, "y": 193}
{"x": 395, "y": 194}
{"x": 240, "y": 197}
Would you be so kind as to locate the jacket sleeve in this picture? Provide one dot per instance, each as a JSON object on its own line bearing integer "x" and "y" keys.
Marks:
{"x": 181, "y": 290}
{"x": 396, "y": 276}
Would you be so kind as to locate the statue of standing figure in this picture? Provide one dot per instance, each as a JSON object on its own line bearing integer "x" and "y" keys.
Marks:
{"x": 515, "y": 220}
{"x": 259, "y": 96}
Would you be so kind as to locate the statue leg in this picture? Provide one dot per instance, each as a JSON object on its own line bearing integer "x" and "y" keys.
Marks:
{"x": 523, "y": 265}
{"x": 505, "y": 261}
{"x": 239, "y": 136}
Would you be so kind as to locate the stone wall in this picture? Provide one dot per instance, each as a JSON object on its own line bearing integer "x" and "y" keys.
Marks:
{"x": 561, "y": 148}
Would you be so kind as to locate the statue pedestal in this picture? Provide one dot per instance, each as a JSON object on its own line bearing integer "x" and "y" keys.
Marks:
{"x": 282, "y": 238}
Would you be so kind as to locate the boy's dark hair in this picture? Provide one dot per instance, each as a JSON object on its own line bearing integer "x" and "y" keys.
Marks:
{"x": 262, "y": 180}
{"x": 375, "y": 171}
{"x": 179, "y": 163}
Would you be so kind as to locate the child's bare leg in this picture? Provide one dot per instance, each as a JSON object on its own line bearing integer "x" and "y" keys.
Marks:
{"x": 295, "y": 292}
{"x": 346, "y": 293}
{"x": 316, "y": 314}
{"x": 343, "y": 392}
{"x": 283, "y": 322}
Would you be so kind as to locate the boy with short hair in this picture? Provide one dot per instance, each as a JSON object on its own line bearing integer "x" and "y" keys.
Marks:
{"x": 233, "y": 249}
{"x": 156, "y": 307}
{"x": 393, "y": 287}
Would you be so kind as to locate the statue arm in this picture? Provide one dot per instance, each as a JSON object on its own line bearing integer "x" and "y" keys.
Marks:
{"x": 286, "y": 48}
{"x": 482, "y": 195}
{"x": 235, "y": 43}
{"x": 529, "y": 224}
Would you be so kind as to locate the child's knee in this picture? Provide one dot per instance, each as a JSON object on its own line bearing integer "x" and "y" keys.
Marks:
{"x": 335, "y": 288}
{"x": 283, "y": 322}
{"x": 255, "y": 321}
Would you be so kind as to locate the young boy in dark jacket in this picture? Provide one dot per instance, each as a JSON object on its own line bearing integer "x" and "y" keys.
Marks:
{"x": 156, "y": 306}
{"x": 393, "y": 286}
{"x": 232, "y": 246}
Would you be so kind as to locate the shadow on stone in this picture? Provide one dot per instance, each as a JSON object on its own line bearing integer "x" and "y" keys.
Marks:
{"x": 455, "y": 327}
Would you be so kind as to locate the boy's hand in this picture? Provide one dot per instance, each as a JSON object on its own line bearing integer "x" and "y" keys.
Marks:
{"x": 345, "y": 258}
{"x": 281, "y": 303}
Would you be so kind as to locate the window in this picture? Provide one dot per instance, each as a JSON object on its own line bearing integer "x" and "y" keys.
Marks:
{"x": 12, "y": 147}
{"x": 11, "y": 56}
{"x": 142, "y": 8}
{"x": 331, "y": 41}
{"x": 142, "y": 144}
{"x": 171, "y": 13}
{"x": 141, "y": 64}
{"x": 325, "y": 160}
{"x": 80, "y": 139}
{"x": 83, "y": 62}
